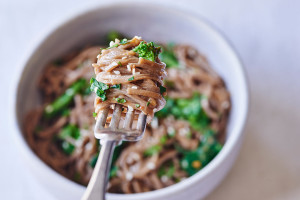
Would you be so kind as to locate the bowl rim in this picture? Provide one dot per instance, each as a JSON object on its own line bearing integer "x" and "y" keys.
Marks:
{"x": 208, "y": 169}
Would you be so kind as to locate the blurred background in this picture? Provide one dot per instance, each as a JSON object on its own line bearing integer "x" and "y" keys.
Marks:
{"x": 266, "y": 35}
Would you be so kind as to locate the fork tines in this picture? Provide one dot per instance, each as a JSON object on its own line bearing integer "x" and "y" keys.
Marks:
{"x": 114, "y": 132}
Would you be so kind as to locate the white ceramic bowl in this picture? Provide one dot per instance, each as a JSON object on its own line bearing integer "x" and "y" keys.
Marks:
{"x": 152, "y": 22}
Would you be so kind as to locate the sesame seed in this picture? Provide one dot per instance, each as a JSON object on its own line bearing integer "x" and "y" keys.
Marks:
{"x": 154, "y": 123}
{"x": 128, "y": 67}
{"x": 113, "y": 64}
{"x": 111, "y": 43}
{"x": 150, "y": 165}
{"x": 138, "y": 37}
{"x": 130, "y": 109}
{"x": 134, "y": 87}
{"x": 184, "y": 164}
{"x": 164, "y": 178}
{"x": 116, "y": 72}
{"x": 88, "y": 146}
{"x": 129, "y": 176}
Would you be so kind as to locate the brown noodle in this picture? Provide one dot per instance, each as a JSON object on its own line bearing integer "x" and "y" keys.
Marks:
{"x": 136, "y": 172}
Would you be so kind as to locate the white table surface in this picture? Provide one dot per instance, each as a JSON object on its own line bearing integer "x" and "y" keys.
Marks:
{"x": 266, "y": 33}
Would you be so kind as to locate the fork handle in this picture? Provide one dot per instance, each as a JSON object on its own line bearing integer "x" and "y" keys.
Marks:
{"x": 97, "y": 186}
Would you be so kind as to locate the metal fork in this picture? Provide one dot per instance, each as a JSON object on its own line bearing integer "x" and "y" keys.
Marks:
{"x": 109, "y": 138}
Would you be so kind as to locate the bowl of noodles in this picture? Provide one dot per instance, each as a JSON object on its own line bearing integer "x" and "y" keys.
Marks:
{"x": 189, "y": 146}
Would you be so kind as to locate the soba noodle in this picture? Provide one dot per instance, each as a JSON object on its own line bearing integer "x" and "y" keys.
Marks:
{"x": 181, "y": 139}
{"x": 129, "y": 79}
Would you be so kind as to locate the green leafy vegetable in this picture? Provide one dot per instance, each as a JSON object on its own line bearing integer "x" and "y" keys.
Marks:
{"x": 63, "y": 101}
{"x": 193, "y": 161}
{"x": 131, "y": 78}
{"x": 147, "y": 50}
{"x": 93, "y": 160}
{"x": 148, "y": 103}
{"x": 168, "y": 56}
{"x": 67, "y": 147}
{"x": 112, "y": 35}
{"x": 163, "y": 139}
{"x": 156, "y": 148}
{"x": 66, "y": 112}
{"x": 162, "y": 89}
{"x": 69, "y": 130}
{"x": 117, "y": 86}
{"x": 186, "y": 109}
{"x": 120, "y": 100}
{"x": 153, "y": 150}
{"x": 167, "y": 169}
{"x": 124, "y": 41}
{"x": 113, "y": 171}
{"x": 99, "y": 88}
{"x": 94, "y": 114}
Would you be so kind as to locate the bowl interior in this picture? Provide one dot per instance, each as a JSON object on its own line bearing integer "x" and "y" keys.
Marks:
{"x": 155, "y": 23}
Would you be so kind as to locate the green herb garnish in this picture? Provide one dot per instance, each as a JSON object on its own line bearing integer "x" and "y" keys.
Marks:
{"x": 147, "y": 50}
{"x": 167, "y": 169}
{"x": 64, "y": 100}
{"x": 117, "y": 86}
{"x": 187, "y": 109}
{"x": 120, "y": 100}
{"x": 124, "y": 41}
{"x": 131, "y": 78}
{"x": 94, "y": 114}
{"x": 93, "y": 160}
{"x": 168, "y": 56}
{"x": 113, "y": 171}
{"x": 69, "y": 130}
{"x": 162, "y": 89}
{"x": 148, "y": 103}
{"x": 137, "y": 105}
{"x": 112, "y": 35}
{"x": 119, "y": 63}
{"x": 67, "y": 147}
{"x": 99, "y": 88}
{"x": 153, "y": 150}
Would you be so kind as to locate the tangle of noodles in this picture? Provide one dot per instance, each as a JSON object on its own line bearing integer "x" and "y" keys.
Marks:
{"x": 181, "y": 139}
{"x": 140, "y": 79}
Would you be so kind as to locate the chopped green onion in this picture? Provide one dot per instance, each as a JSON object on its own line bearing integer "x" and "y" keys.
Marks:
{"x": 153, "y": 150}
{"x": 93, "y": 160}
{"x": 94, "y": 114}
{"x": 63, "y": 101}
{"x": 67, "y": 147}
{"x": 112, "y": 35}
{"x": 99, "y": 88}
{"x": 147, "y": 50}
{"x": 162, "y": 89}
{"x": 69, "y": 130}
{"x": 137, "y": 105}
{"x": 113, "y": 171}
{"x": 131, "y": 79}
{"x": 168, "y": 56}
{"x": 117, "y": 86}
{"x": 120, "y": 100}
